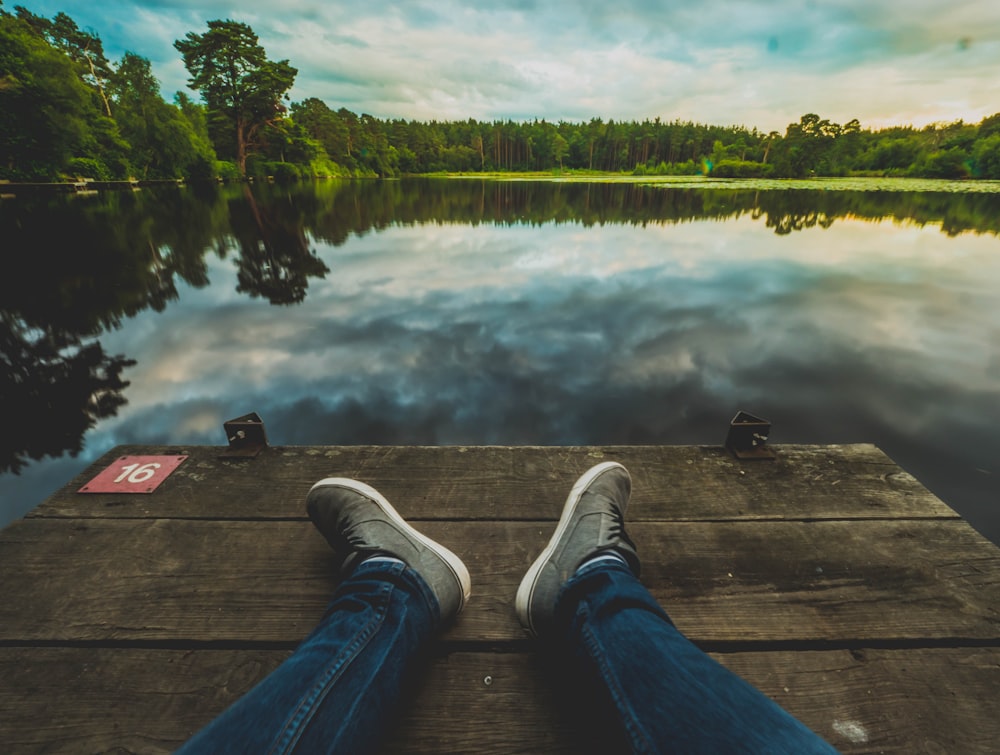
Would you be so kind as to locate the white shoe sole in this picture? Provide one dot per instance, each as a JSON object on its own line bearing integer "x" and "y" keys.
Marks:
{"x": 526, "y": 589}
{"x": 454, "y": 562}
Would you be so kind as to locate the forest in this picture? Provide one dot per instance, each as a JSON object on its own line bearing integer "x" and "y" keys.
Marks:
{"x": 67, "y": 112}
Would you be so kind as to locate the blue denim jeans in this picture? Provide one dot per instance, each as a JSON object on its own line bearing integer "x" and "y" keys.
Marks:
{"x": 667, "y": 696}
{"x": 341, "y": 687}
{"x": 339, "y": 691}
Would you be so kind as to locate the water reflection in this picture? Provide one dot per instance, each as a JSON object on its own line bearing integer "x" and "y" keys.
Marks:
{"x": 506, "y": 313}
{"x": 275, "y": 261}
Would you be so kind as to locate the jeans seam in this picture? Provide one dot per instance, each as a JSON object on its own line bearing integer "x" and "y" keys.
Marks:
{"x": 632, "y": 729}
{"x": 297, "y": 721}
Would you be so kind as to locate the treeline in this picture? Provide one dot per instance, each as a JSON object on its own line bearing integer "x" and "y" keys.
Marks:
{"x": 811, "y": 147}
{"x": 66, "y": 111}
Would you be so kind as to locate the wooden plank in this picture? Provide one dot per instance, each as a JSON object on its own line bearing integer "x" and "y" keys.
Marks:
{"x": 861, "y": 701}
{"x": 905, "y": 701}
{"x": 803, "y": 565}
{"x": 490, "y": 482}
{"x": 845, "y": 581}
{"x": 128, "y": 579}
{"x": 74, "y": 700}
{"x": 824, "y": 580}
{"x": 149, "y": 701}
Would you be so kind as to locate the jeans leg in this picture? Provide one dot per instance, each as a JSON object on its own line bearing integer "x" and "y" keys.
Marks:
{"x": 668, "y": 695}
{"x": 337, "y": 692}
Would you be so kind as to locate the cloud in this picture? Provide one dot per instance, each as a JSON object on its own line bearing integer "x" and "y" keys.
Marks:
{"x": 717, "y": 61}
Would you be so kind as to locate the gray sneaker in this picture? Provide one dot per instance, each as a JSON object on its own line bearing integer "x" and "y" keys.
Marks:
{"x": 357, "y": 521}
{"x": 591, "y": 523}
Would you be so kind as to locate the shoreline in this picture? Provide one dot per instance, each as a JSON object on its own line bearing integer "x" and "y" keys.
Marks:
{"x": 10, "y": 189}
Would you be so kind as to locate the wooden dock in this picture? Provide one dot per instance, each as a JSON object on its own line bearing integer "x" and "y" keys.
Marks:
{"x": 829, "y": 578}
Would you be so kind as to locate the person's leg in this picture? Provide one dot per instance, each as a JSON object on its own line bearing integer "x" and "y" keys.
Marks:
{"x": 667, "y": 695}
{"x": 339, "y": 689}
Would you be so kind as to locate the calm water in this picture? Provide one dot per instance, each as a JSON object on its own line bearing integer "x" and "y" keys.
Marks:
{"x": 440, "y": 312}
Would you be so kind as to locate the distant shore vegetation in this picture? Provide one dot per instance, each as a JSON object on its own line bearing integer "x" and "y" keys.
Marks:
{"x": 67, "y": 112}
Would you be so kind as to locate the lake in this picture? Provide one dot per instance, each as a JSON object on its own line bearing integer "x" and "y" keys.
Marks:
{"x": 437, "y": 311}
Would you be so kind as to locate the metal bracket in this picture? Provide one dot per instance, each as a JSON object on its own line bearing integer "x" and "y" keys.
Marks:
{"x": 246, "y": 436}
{"x": 747, "y": 438}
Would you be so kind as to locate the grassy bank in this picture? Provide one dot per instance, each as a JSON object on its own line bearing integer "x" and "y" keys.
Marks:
{"x": 753, "y": 184}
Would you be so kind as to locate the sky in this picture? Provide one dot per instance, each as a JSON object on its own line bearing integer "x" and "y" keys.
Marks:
{"x": 721, "y": 62}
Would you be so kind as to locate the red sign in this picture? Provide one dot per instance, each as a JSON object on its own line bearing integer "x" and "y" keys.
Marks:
{"x": 133, "y": 474}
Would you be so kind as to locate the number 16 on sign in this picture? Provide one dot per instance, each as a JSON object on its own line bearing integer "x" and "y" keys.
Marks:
{"x": 133, "y": 474}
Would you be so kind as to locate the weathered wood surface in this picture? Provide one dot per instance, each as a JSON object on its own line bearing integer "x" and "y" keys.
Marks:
{"x": 678, "y": 483}
{"x": 767, "y": 581}
{"x": 829, "y": 578}
{"x": 150, "y": 700}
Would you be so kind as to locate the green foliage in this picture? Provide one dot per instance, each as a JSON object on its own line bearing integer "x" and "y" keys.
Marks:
{"x": 986, "y": 157}
{"x": 891, "y": 154}
{"x": 686, "y": 168}
{"x": 80, "y": 168}
{"x": 324, "y": 167}
{"x": 323, "y": 125}
{"x": 105, "y": 144}
{"x": 162, "y": 141}
{"x": 742, "y": 169}
{"x": 288, "y": 142}
{"x": 280, "y": 172}
{"x": 808, "y": 148}
{"x": 956, "y": 135}
{"x": 240, "y": 86}
{"x": 227, "y": 171}
{"x": 204, "y": 161}
{"x": 949, "y": 163}
{"x": 83, "y": 48}
{"x": 283, "y": 172}
{"x": 989, "y": 126}
{"x": 44, "y": 106}
{"x": 286, "y": 172}
{"x": 56, "y": 114}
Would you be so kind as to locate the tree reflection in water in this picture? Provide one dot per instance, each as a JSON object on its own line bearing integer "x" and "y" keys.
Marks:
{"x": 86, "y": 266}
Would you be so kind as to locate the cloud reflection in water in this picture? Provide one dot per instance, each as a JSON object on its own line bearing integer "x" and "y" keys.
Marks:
{"x": 613, "y": 334}
{"x": 545, "y": 333}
